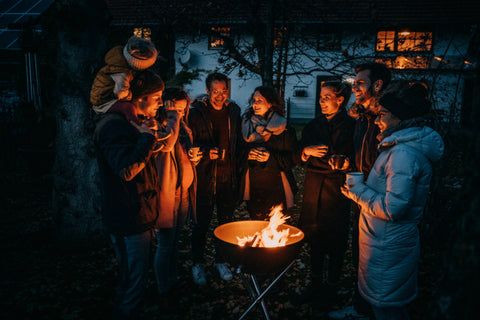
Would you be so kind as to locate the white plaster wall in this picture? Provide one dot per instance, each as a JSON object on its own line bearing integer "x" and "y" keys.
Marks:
{"x": 446, "y": 84}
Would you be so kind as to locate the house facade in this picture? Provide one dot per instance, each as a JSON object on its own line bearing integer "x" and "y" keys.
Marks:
{"x": 428, "y": 41}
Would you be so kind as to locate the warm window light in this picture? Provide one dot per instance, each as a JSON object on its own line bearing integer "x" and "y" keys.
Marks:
{"x": 217, "y": 42}
{"x": 145, "y": 33}
{"x": 404, "y": 33}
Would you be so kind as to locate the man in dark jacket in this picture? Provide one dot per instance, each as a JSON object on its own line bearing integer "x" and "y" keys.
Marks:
{"x": 129, "y": 186}
{"x": 370, "y": 80}
{"x": 215, "y": 124}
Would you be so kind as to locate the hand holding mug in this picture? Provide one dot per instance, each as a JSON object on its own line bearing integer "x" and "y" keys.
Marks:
{"x": 339, "y": 162}
{"x": 194, "y": 154}
{"x": 353, "y": 178}
{"x": 213, "y": 154}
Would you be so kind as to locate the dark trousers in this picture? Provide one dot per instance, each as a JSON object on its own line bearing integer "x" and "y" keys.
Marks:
{"x": 133, "y": 254}
{"x": 225, "y": 204}
{"x": 360, "y": 304}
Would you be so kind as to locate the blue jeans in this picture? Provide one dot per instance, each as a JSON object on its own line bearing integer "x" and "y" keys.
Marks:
{"x": 166, "y": 258}
{"x": 133, "y": 253}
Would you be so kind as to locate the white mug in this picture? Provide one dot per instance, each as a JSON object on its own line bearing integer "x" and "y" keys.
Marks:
{"x": 353, "y": 178}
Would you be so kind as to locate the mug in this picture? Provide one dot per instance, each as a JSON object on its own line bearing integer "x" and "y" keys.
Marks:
{"x": 338, "y": 161}
{"x": 221, "y": 154}
{"x": 193, "y": 152}
{"x": 354, "y": 178}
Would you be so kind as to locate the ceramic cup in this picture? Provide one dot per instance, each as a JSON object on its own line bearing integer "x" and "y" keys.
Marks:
{"x": 354, "y": 178}
{"x": 193, "y": 152}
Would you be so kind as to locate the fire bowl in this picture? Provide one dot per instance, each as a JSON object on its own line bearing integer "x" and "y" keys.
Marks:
{"x": 256, "y": 260}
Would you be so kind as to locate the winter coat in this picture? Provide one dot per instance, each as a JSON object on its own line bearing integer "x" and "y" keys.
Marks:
{"x": 112, "y": 82}
{"x": 203, "y": 137}
{"x": 171, "y": 162}
{"x": 128, "y": 175}
{"x": 266, "y": 185}
{"x": 325, "y": 209}
{"x": 392, "y": 203}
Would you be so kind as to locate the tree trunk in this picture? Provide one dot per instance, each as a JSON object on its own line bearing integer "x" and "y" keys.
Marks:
{"x": 81, "y": 33}
{"x": 267, "y": 72}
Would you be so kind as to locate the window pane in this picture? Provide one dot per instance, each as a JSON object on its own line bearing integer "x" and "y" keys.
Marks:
{"x": 414, "y": 41}
{"x": 385, "y": 41}
{"x": 216, "y": 41}
{"x": 141, "y": 32}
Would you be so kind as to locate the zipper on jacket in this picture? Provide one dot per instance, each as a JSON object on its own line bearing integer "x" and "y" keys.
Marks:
{"x": 363, "y": 145}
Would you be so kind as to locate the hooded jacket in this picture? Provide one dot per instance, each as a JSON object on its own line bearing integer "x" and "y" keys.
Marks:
{"x": 112, "y": 81}
{"x": 392, "y": 203}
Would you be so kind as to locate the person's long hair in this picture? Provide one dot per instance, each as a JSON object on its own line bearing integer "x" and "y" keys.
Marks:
{"x": 271, "y": 96}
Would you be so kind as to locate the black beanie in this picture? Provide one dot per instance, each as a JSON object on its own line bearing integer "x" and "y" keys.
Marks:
{"x": 146, "y": 82}
{"x": 407, "y": 103}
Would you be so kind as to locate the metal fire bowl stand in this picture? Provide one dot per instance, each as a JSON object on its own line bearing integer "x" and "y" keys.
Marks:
{"x": 255, "y": 291}
{"x": 256, "y": 260}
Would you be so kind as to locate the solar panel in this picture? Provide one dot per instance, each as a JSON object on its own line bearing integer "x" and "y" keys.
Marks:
{"x": 17, "y": 12}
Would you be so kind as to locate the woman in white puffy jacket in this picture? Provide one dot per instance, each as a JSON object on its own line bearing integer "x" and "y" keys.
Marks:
{"x": 392, "y": 202}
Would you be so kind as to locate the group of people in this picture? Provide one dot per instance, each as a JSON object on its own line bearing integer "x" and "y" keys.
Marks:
{"x": 165, "y": 160}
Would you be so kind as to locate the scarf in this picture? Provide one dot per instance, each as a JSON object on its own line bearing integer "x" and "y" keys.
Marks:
{"x": 258, "y": 129}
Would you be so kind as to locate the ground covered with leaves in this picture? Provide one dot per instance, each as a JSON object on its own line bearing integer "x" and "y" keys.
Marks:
{"x": 41, "y": 281}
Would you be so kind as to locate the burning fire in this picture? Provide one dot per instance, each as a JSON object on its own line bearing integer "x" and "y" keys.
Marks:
{"x": 270, "y": 236}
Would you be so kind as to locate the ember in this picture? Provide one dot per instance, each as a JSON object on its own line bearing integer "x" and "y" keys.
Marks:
{"x": 270, "y": 236}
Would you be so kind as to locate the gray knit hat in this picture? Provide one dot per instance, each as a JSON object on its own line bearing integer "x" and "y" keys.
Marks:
{"x": 140, "y": 53}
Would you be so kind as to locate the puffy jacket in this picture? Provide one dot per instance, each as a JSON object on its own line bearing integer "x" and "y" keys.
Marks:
{"x": 103, "y": 85}
{"x": 392, "y": 203}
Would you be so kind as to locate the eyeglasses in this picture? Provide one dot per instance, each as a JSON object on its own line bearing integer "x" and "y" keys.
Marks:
{"x": 223, "y": 92}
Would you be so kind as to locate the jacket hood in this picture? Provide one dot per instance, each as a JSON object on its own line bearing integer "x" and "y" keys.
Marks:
{"x": 423, "y": 139}
{"x": 115, "y": 59}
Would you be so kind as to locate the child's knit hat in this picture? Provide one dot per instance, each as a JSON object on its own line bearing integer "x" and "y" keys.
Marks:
{"x": 140, "y": 53}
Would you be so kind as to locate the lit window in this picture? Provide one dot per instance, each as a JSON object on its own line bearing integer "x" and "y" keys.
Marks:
{"x": 402, "y": 62}
{"x": 142, "y": 32}
{"x": 217, "y": 35}
{"x": 403, "y": 41}
{"x": 415, "y": 47}
{"x": 414, "y": 41}
{"x": 386, "y": 41}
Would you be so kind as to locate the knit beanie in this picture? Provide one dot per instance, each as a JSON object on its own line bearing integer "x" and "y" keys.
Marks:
{"x": 140, "y": 53}
{"x": 146, "y": 82}
{"x": 407, "y": 103}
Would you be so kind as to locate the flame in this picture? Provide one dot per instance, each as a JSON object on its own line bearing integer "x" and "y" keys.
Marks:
{"x": 270, "y": 236}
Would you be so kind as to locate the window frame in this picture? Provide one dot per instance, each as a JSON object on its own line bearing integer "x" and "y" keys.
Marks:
{"x": 212, "y": 36}
{"x": 402, "y": 59}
